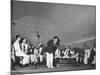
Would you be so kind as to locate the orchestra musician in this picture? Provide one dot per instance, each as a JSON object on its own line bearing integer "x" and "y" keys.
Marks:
{"x": 19, "y": 52}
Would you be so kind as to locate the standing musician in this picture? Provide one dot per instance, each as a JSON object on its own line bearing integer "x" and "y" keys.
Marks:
{"x": 87, "y": 55}
{"x": 40, "y": 52}
{"x": 38, "y": 36}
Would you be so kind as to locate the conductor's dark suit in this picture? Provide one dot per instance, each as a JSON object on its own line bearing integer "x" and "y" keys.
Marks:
{"x": 51, "y": 47}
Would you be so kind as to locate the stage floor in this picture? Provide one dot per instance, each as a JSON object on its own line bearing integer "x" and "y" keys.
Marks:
{"x": 40, "y": 69}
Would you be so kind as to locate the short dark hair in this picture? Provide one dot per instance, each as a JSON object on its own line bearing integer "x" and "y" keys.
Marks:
{"x": 17, "y": 36}
{"x": 55, "y": 37}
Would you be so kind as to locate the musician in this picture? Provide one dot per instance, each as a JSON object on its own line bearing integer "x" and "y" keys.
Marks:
{"x": 19, "y": 52}
{"x": 34, "y": 56}
{"x": 75, "y": 55}
{"x": 24, "y": 46}
{"x": 12, "y": 56}
{"x": 94, "y": 55}
{"x": 66, "y": 53}
{"x": 41, "y": 54}
{"x": 57, "y": 56}
{"x": 57, "y": 53}
{"x": 52, "y": 45}
{"x": 87, "y": 55}
{"x": 29, "y": 49}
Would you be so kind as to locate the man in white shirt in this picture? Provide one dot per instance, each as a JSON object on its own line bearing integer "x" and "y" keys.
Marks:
{"x": 74, "y": 55}
{"x": 18, "y": 51}
{"x": 57, "y": 53}
{"x": 66, "y": 53}
{"x": 87, "y": 55}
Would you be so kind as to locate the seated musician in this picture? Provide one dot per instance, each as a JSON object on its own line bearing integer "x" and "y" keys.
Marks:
{"x": 24, "y": 46}
{"x": 91, "y": 59}
{"x": 94, "y": 56}
{"x": 12, "y": 55}
{"x": 57, "y": 57}
{"x": 74, "y": 54}
{"x": 19, "y": 52}
{"x": 66, "y": 53}
{"x": 34, "y": 56}
{"x": 57, "y": 53}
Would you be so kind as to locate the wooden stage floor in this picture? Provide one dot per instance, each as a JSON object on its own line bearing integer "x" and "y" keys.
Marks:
{"x": 42, "y": 69}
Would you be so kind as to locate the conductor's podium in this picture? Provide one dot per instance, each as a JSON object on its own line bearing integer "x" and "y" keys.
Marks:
{"x": 66, "y": 62}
